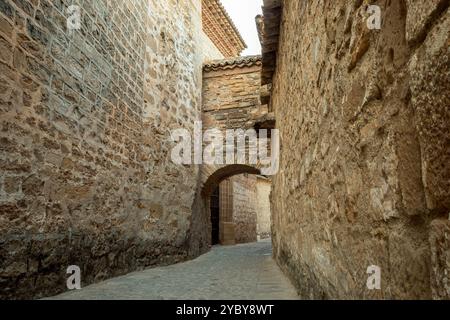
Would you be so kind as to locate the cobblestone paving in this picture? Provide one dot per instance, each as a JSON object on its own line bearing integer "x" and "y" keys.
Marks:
{"x": 245, "y": 272}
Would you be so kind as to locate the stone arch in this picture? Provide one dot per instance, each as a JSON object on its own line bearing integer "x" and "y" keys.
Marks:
{"x": 210, "y": 177}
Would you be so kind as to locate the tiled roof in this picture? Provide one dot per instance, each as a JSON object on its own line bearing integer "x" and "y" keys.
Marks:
{"x": 219, "y": 27}
{"x": 269, "y": 31}
{"x": 239, "y": 62}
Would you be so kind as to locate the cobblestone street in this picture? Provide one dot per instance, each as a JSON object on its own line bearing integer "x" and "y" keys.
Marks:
{"x": 226, "y": 272}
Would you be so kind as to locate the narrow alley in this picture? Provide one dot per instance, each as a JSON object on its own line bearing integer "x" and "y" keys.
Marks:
{"x": 150, "y": 149}
{"x": 244, "y": 271}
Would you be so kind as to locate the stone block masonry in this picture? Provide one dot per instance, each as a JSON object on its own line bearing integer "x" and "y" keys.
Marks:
{"x": 86, "y": 116}
{"x": 364, "y": 121}
{"x": 86, "y": 177}
{"x": 230, "y": 100}
{"x": 263, "y": 187}
{"x": 244, "y": 208}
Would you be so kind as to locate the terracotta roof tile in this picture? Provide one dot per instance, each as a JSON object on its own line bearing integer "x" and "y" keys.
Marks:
{"x": 239, "y": 62}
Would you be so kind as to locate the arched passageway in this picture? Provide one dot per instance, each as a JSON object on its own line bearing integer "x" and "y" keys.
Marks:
{"x": 215, "y": 216}
{"x": 231, "y": 205}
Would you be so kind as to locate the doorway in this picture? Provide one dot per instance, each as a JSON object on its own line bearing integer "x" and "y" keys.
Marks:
{"x": 215, "y": 216}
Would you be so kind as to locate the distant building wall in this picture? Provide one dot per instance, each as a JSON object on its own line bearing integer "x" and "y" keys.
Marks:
{"x": 244, "y": 208}
{"x": 263, "y": 187}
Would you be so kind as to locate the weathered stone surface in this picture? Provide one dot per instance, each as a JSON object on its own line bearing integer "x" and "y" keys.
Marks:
{"x": 429, "y": 69}
{"x": 86, "y": 176}
{"x": 238, "y": 209}
{"x": 231, "y": 100}
{"x": 363, "y": 117}
{"x": 440, "y": 258}
{"x": 421, "y": 16}
{"x": 244, "y": 208}
{"x": 246, "y": 272}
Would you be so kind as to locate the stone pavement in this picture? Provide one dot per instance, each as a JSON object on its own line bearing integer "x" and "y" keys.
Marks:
{"x": 245, "y": 272}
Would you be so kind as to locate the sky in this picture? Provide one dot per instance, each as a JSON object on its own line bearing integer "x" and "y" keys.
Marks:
{"x": 243, "y": 13}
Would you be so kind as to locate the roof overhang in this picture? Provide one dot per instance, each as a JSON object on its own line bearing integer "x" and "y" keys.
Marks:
{"x": 219, "y": 27}
{"x": 269, "y": 33}
{"x": 233, "y": 63}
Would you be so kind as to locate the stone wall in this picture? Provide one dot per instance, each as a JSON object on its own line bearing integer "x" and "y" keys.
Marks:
{"x": 231, "y": 91}
{"x": 231, "y": 100}
{"x": 86, "y": 177}
{"x": 263, "y": 188}
{"x": 364, "y": 123}
{"x": 244, "y": 208}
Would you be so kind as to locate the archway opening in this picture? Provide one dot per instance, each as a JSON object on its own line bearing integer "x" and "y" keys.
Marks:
{"x": 215, "y": 216}
{"x": 236, "y": 205}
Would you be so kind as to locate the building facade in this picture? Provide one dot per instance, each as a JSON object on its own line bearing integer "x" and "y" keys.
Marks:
{"x": 86, "y": 116}
{"x": 363, "y": 118}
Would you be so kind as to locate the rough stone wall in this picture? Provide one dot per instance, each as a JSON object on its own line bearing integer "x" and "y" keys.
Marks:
{"x": 84, "y": 119}
{"x": 263, "y": 188}
{"x": 244, "y": 208}
{"x": 365, "y": 131}
{"x": 231, "y": 97}
{"x": 230, "y": 101}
